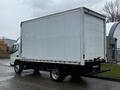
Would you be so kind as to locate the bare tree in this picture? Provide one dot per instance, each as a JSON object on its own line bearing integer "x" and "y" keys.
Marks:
{"x": 112, "y": 11}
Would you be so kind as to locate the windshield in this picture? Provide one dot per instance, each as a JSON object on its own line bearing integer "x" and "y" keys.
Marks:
{"x": 14, "y": 48}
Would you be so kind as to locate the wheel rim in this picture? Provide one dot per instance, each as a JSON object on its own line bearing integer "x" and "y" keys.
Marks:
{"x": 17, "y": 68}
{"x": 55, "y": 74}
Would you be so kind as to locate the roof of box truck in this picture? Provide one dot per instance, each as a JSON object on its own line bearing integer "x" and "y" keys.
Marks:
{"x": 86, "y": 10}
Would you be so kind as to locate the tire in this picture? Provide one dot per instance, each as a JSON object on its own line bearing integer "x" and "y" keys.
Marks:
{"x": 18, "y": 68}
{"x": 57, "y": 75}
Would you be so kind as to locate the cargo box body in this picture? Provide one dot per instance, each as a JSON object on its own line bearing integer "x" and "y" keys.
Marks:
{"x": 70, "y": 37}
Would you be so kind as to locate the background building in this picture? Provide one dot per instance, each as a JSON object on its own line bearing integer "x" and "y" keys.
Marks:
{"x": 5, "y": 45}
{"x": 113, "y": 42}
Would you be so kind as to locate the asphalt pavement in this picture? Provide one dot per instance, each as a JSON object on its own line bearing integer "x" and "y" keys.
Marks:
{"x": 27, "y": 81}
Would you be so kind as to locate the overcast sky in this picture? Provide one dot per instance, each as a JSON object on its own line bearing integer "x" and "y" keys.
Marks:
{"x": 12, "y": 12}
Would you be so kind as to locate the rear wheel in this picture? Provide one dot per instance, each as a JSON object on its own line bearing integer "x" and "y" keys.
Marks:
{"x": 57, "y": 74}
{"x": 18, "y": 68}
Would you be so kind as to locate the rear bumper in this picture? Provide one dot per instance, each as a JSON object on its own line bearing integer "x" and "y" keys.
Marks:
{"x": 92, "y": 66}
{"x": 95, "y": 61}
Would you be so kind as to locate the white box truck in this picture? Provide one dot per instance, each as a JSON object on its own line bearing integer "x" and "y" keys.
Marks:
{"x": 66, "y": 43}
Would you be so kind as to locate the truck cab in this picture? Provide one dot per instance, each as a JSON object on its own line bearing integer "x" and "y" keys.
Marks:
{"x": 15, "y": 53}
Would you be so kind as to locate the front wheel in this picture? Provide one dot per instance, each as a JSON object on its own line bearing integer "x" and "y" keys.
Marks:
{"x": 57, "y": 75}
{"x": 18, "y": 68}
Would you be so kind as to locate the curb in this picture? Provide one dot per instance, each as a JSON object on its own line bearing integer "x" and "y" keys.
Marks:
{"x": 103, "y": 78}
